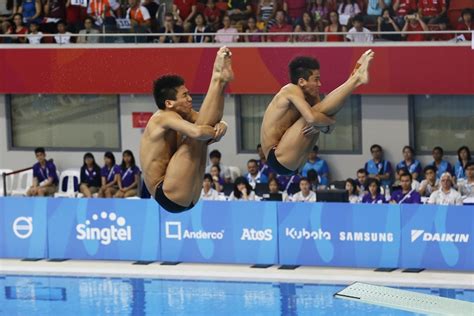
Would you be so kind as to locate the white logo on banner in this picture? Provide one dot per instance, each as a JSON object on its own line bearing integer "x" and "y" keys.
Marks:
{"x": 105, "y": 235}
{"x": 23, "y": 227}
{"x": 294, "y": 233}
{"x": 173, "y": 231}
{"x": 366, "y": 236}
{"x": 439, "y": 237}
{"x": 258, "y": 235}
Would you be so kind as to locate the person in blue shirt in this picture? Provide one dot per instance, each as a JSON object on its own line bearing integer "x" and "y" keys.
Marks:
{"x": 405, "y": 195}
{"x": 254, "y": 176}
{"x": 464, "y": 156}
{"x": 90, "y": 176}
{"x": 410, "y": 163}
{"x": 379, "y": 168}
{"x": 441, "y": 165}
{"x": 373, "y": 196}
{"x": 129, "y": 176}
{"x": 318, "y": 164}
{"x": 45, "y": 177}
{"x": 289, "y": 184}
{"x": 110, "y": 176}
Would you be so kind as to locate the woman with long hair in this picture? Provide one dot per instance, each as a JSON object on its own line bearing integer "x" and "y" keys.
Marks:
{"x": 242, "y": 191}
{"x": 464, "y": 156}
{"x": 90, "y": 176}
{"x": 306, "y": 25}
{"x": 333, "y": 27}
{"x": 129, "y": 176}
{"x": 110, "y": 174}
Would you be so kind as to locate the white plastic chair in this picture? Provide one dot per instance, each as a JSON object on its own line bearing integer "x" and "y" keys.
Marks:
{"x": 9, "y": 181}
{"x": 69, "y": 177}
{"x": 22, "y": 183}
{"x": 234, "y": 172}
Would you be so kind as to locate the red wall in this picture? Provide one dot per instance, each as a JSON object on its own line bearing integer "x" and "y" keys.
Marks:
{"x": 395, "y": 70}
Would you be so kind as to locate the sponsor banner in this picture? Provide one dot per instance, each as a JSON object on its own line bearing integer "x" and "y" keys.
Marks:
{"x": 437, "y": 237}
{"x": 113, "y": 229}
{"x": 213, "y": 231}
{"x": 24, "y": 228}
{"x": 339, "y": 234}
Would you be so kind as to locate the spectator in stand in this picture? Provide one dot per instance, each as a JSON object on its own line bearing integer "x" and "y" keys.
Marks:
{"x": 429, "y": 184}
{"x": 184, "y": 11}
{"x": 31, "y": 11}
{"x": 223, "y": 5}
{"x": 90, "y": 176}
{"x": 169, "y": 27}
{"x": 263, "y": 167}
{"x": 253, "y": 32}
{"x": 6, "y": 28}
{"x": 403, "y": 8}
{"x": 198, "y": 28}
{"x": 358, "y": 33}
{"x": 315, "y": 180}
{"x": 318, "y": 164}
{"x": 347, "y": 9}
{"x": 410, "y": 163}
{"x": 254, "y": 176}
{"x": 207, "y": 192}
{"x": 152, "y": 8}
{"x": 45, "y": 177}
{"x": 414, "y": 23}
{"x": 353, "y": 192}
{"x": 466, "y": 24}
{"x": 110, "y": 176}
{"x": 239, "y": 9}
{"x": 288, "y": 182}
{"x": 84, "y": 37}
{"x": 75, "y": 15}
{"x": 54, "y": 10}
{"x": 443, "y": 26}
{"x": 104, "y": 13}
{"x": 242, "y": 191}
{"x": 373, "y": 196}
{"x": 334, "y": 26}
{"x": 464, "y": 156}
{"x": 441, "y": 165}
{"x": 212, "y": 15}
{"x": 294, "y": 9}
{"x": 215, "y": 159}
{"x": 305, "y": 194}
{"x": 362, "y": 177}
{"x": 306, "y": 24}
{"x": 140, "y": 19}
{"x": 280, "y": 26}
{"x": 374, "y": 9}
{"x": 273, "y": 188}
{"x": 129, "y": 176}
{"x": 385, "y": 23}
{"x": 7, "y": 9}
{"x": 467, "y": 188}
{"x": 217, "y": 181}
{"x": 34, "y": 35}
{"x": 446, "y": 195}
{"x": 266, "y": 10}
{"x": 405, "y": 195}
{"x": 430, "y": 11}
{"x": 319, "y": 12}
{"x": 379, "y": 168}
{"x": 62, "y": 37}
{"x": 227, "y": 34}
{"x": 19, "y": 28}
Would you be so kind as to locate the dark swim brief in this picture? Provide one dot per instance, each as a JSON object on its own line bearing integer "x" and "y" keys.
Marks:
{"x": 273, "y": 163}
{"x": 167, "y": 204}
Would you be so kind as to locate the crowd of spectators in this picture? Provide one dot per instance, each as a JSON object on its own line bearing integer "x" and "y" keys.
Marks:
{"x": 79, "y": 20}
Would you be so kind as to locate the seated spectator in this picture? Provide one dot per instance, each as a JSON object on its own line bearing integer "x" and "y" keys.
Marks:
{"x": 198, "y": 28}
{"x": 84, "y": 37}
{"x": 280, "y": 26}
{"x": 347, "y": 9}
{"x": 54, "y": 11}
{"x": 362, "y": 185}
{"x": 334, "y": 26}
{"x": 288, "y": 182}
{"x": 273, "y": 188}
{"x": 318, "y": 164}
{"x": 215, "y": 159}
{"x": 90, "y": 176}
{"x": 315, "y": 180}
{"x": 104, "y": 13}
{"x": 410, "y": 163}
{"x": 19, "y": 28}
{"x": 254, "y": 34}
{"x": 405, "y": 195}
{"x": 242, "y": 190}
{"x": 212, "y": 14}
{"x": 358, "y": 33}
{"x": 263, "y": 167}
{"x": 446, "y": 195}
{"x": 75, "y": 15}
{"x": 217, "y": 181}
{"x": 239, "y": 9}
{"x": 34, "y": 35}
{"x": 442, "y": 26}
{"x": 45, "y": 177}
{"x": 467, "y": 188}
{"x": 5, "y": 29}
{"x": 227, "y": 34}
{"x": 184, "y": 11}
{"x": 152, "y": 8}
{"x": 110, "y": 176}
{"x": 429, "y": 183}
{"x": 414, "y": 23}
{"x": 441, "y": 165}
{"x": 129, "y": 176}
{"x": 379, "y": 168}
{"x": 353, "y": 192}
{"x": 319, "y": 11}
{"x": 254, "y": 176}
{"x": 430, "y": 11}
{"x": 294, "y": 10}
{"x": 385, "y": 23}
{"x": 207, "y": 192}
{"x": 169, "y": 27}
{"x": 62, "y": 37}
{"x": 403, "y": 8}
{"x": 266, "y": 10}
{"x": 31, "y": 11}
{"x": 140, "y": 19}
{"x": 464, "y": 156}
{"x": 305, "y": 194}
{"x": 306, "y": 24}
{"x": 373, "y": 196}
{"x": 223, "y": 6}
{"x": 374, "y": 9}
{"x": 466, "y": 24}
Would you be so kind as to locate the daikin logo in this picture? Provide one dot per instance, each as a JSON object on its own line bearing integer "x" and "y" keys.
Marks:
{"x": 107, "y": 234}
{"x": 295, "y": 233}
{"x": 438, "y": 237}
{"x": 256, "y": 235}
{"x": 173, "y": 231}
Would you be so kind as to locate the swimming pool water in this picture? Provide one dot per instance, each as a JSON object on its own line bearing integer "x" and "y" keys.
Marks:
{"x": 52, "y": 295}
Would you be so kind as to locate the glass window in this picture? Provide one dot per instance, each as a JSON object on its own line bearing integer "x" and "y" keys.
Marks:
{"x": 442, "y": 120}
{"x": 346, "y": 138}
{"x": 65, "y": 122}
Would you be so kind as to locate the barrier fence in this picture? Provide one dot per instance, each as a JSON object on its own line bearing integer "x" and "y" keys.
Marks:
{"x": 317, "y": 234}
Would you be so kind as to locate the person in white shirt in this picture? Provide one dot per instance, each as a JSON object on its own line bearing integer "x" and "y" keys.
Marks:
{"x": 62, "y": 37}
{"x": 467, "y": 187}
{"x": 358, "y": 33}
{"x": 430, "y": 183}
{"x": 242, "y": 191}
{"x": 353, "y": 191}
{"x": 305, "y": 194}
{"x": 34, "y": 36}
{"x": 207, "y": 192}
{"x": 446, "y": 195}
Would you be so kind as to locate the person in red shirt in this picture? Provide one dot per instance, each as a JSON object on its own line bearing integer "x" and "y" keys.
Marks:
{"x": 212, "y": 14}
{"x": 280, "y": 26}
{"x": 184, "y": 11}
{"x": 75, "y": 15}
{"x": 414, "y": 23}
{"x": 466, "y": 24}
{"x": 294, "y": 9}
{"x": 335, "y": 26}
{"x": 431, "y": 10}
{"x": 403, "y": 7}
{"x": 19, "y": 28}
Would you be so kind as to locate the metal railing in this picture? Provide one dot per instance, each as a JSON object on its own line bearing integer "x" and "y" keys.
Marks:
{"x": 5, "y": 175}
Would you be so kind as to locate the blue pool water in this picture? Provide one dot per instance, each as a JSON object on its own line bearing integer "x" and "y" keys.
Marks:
{"x": 51, "y": 295}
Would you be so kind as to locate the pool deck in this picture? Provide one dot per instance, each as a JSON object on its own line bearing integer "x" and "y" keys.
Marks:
{"x": 196, "y": 271}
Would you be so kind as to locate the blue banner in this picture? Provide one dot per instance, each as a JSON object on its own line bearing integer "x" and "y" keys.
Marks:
{"x": 113, "y": 229}
{"x": 438, "y": 237}
{"x": 239, "y": 232}
{"x": 24, "y": 228}
{"x": 339, "y": 234}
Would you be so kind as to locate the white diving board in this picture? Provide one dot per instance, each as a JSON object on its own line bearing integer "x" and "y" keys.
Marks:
{"x": 405, "y": 300}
